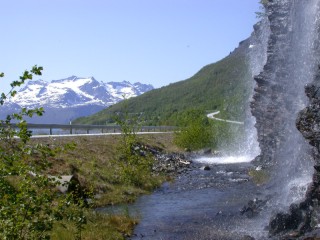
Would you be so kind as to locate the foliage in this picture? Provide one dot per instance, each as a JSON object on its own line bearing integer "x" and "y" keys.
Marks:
{"x": 95, "y": 161}
{"x": 133, "y": 164}
{"x": 195, "y": 132}
{"x": 29, "y": 203}
{"x": 259, "y": 177}
{"x": 226, "y": 136}
{"x": 219, "y": 86}
{"x": 100, "y": 226}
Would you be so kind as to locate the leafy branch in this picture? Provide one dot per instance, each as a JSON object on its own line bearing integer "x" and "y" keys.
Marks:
{"x": 29, "y": 203}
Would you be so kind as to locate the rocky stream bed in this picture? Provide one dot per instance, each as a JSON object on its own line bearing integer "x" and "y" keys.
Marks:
{"x": 206, "y": 201}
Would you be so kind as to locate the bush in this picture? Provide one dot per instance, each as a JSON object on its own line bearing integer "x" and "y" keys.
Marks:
{"x": 195, "y": 133}
{"x": 29, "y": 203}
{"x": 135, "y": 165}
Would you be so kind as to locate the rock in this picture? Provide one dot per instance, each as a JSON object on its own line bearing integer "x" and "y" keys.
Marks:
{"x": 67, "y": 183}
{"x": 253, "y": 207}
{"x": 205, "y": 151}
{"x": 173, "y": 163}
{"x": 275, "y": 105}
{"x": 317, "y": 168}
{"x": 217, "y": 154}
{"x": 280, "y": 223}
{"x": 205, "y": 168}
{"x": 247, "y": 237}
{"x": 297, "y": 220}
{"x": 313, "y": 235}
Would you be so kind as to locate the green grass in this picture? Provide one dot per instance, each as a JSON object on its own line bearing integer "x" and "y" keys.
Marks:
{"x": 99, "y": 227}
{"x": 219, "y": 86}
{"x": 92, "y": 160}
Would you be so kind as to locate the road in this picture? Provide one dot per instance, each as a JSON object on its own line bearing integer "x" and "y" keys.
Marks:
{"x": 211, "y": 115}
{"x": 93, "y": 134}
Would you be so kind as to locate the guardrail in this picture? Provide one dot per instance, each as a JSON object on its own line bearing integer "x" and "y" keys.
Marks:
{"x": 51, "y": 129}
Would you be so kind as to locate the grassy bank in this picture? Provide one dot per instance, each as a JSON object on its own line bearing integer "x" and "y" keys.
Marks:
{"x": 92, "y": 159}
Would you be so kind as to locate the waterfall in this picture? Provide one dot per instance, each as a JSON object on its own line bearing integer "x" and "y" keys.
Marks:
{"x": 257, "y": 59}
{"x": 283, "y": 59}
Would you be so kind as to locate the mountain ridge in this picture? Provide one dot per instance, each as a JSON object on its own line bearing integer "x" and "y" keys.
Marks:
{"x": 80, "y": 95}
{"x": 217, "y": 86}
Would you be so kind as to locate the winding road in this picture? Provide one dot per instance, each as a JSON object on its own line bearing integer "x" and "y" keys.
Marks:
{"x": 211, "y": 115}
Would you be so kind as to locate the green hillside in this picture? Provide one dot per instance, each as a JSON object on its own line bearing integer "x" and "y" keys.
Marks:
{"x": 218, "y": 86}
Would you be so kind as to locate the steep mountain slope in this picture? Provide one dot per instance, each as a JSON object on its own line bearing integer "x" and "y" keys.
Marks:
{"x": 70, "y": 98}
{"x": 221, "y": 86}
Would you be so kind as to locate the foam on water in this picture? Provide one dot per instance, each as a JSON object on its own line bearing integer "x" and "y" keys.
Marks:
{"x": 224, "y": 160}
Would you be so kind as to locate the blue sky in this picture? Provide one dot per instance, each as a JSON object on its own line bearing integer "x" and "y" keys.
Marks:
{"x": 150, "y": 41}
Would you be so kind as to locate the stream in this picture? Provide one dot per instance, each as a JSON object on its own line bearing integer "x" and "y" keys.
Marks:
{"x": 200, "y": 204}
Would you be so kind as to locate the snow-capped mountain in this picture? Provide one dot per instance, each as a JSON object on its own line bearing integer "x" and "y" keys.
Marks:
{"x": 71, "y": 97}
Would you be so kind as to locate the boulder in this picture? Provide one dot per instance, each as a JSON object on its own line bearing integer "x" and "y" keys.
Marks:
{"x": 205, "y": 168}
{"x": 67, "y": 183}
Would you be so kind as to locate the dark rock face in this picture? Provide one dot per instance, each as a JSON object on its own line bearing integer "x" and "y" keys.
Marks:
{"x": 297, "y": 221}
{"x": 304, "y": 218}
{"x": 279, "y": 89}
{"x": 292, "y": 58}
{"x": 306, "y": 215}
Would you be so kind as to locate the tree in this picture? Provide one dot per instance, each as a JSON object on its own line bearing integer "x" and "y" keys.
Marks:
{"x": 195, "y": 132}
{"x": 29, "y": 203}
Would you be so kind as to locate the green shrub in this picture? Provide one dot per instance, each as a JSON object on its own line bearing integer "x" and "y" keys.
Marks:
{"x": 135, "y": 167}
{"x": 259, "y": 177}
{"x": 227, "y": 136}
{"x": 29, "y": 203}
{"x": 195, "y": 132}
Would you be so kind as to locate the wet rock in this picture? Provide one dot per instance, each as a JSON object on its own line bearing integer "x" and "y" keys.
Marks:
{"x": 253, "y": 208}
{"x": 170, "y": 163}
{"x": 205, "y": 151}
{"x": 313, "y": 235}
{"x": 275, "y": 105}
{"x": 219, "y": 213}
{"x": 282, "y": 222}
{"x": 306, "y": 215}
{"x": 205, "y": 168}
{"x": 173, "y": 163}
{"x": 247, "y": 237}
{"x": 298, "y": 220}
{"x": 317, "y": 168}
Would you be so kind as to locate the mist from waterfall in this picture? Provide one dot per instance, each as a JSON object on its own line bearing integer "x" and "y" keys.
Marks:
{"x": 257, "y": 59}
{"x": 297, "y": 163}
{"x": 294, "y": 166}
{"x": 283, "y": 60}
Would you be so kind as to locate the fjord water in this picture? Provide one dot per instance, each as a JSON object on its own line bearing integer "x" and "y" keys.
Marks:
{"x": 206, "y": 204}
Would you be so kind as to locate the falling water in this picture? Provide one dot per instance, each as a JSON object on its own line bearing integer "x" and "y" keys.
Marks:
{"x": 257, "y": 59}
{"x": 257, "y": 56}
{"x": 282, "y": 59}
{"x": 291, "y": 64}
{"x": 283, "y": 69}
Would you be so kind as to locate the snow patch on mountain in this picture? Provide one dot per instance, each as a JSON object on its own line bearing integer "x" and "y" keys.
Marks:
{"x": 75, "y": 91}
{"x": 69, "y": 98}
